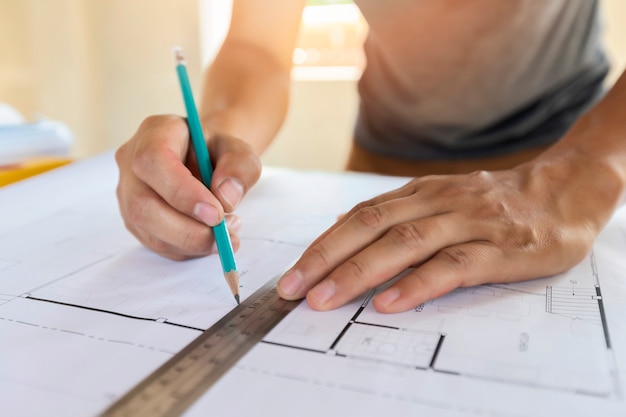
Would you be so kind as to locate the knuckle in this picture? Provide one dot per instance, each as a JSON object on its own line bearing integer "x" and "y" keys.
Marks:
{"x": 407, "y": 235}
{"x": 255, "y": 165}
{"x": 455, "y": 257}
{"x": 421, "y": 287}
{"x": 482, "y": 175}
{"x": 120, "y": 154}
{"x": 151, "y": 120}
{"x": 196, "y": 240}
{"x": 159, "y": 247}
{"x": 490, "y": 208}
{"x": 140, "y": 161}
{"x": 320, "y": 253}
{"x": 525, "y": 236}
{"x": 357, "y": 268}
{"x": 177, "y": 196}
{"x": 371, "y": 217}
{"x": 136, "y": 212}
{"x": 422, "y": 283}
{"x": 519, "y": 234}
{"x": 120, "y": 195}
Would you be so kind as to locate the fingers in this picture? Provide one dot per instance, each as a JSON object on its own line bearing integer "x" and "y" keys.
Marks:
{"x": 364, "y": 224}
{"x": 237, "y": 169}
{"x": 356, "y": 230}
{"x": 364, "y": 252}
{"x": 463, "y": 265}
{"x": 399, "y": 193}
{"x": 403, "y": 245}
{"x": 454, "y": 230}
{"x": 156, "y": 161}
{"x": 162, "y": 202}
{"x": 170, "y": 233}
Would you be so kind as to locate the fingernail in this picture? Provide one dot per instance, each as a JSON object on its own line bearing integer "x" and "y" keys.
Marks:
{"x": 206, "y": 213}
{"x": 323, "y": 292}
{"x": 291, "y": 282}
{"x": 231, "y": 190}
{"x": 387, "y": 298}
{"x": 233, "y": 223}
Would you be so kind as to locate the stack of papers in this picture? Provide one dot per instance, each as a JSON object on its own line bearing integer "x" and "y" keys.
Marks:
{"x": 22, "y": 140}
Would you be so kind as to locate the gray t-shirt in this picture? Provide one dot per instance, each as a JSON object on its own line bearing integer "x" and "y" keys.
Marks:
{"x": 461, "y": 79}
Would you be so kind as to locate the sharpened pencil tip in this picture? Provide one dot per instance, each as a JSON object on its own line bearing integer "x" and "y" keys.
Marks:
{"x": 232, "y": 278}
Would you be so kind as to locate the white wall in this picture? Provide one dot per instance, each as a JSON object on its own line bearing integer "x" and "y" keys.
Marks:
{"x": 615, "y": 34}
{"x": 318, "y": 129}
{"x": 98, "y": 66}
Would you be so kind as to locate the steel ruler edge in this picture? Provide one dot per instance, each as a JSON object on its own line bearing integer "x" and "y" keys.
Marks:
{"x": 178, "y": 383}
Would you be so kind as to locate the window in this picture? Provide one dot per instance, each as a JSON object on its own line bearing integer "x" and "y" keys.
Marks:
{"x": 329, "y": 45}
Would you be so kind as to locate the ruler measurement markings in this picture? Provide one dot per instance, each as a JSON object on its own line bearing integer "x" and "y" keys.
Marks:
{"x": 180, "y": 381}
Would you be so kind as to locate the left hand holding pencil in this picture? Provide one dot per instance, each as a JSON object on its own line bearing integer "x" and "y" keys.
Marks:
{"x": 161, "y": 198}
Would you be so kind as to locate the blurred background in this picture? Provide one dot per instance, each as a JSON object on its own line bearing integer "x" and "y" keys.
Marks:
{"x": 100, "y": 67}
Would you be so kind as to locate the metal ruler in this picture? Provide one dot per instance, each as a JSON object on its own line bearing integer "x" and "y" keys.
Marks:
{"x": 178, "y": 383}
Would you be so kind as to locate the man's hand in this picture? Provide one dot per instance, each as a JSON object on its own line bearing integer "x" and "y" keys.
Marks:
{"x": 456, "y": 231}
{"x": 161, "y": 198}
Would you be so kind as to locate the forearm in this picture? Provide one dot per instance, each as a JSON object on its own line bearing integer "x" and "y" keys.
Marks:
{"x": 590, "y": 160}
{"x": 245, "y": 94}
{"x": 601, "y": 132}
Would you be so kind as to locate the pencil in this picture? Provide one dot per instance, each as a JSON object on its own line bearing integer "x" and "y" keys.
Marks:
{"x": 224, "y": 245}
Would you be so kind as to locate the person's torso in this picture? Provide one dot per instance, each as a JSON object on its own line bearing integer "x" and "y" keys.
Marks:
{"x": 440, "y": 72}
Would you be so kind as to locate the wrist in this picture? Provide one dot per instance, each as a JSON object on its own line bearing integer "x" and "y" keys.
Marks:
{"x": 591, "y": 181}
{"x": 233, "y": 123}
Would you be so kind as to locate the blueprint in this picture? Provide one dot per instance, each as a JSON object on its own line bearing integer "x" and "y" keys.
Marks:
{"x": 86, "y": 313}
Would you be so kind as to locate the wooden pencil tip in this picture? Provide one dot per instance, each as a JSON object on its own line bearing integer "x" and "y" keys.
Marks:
{"x": 232, "y": 278}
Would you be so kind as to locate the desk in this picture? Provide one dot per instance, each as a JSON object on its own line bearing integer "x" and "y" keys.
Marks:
{"x": 16, "y": 172}
{"x": 86, "y": 313}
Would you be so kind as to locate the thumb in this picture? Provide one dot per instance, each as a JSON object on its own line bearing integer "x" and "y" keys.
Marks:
{"x": 237, "y": 169}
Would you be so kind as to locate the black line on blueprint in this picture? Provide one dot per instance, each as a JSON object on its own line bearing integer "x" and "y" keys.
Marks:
{"x": 184, "y": 325}
{"x": 363, "y": 305}
{"x": 353, "y": 319}
{"x": 432, "y": 361}
{"x": 345, "y": 329}
{"x": 443, "y": 371}
{"x": 88, "y": 308}
{"x": 358, "y": 312}
{"x": 99, "y": 310}
{"x": 377, "y": 325}
{"x": 605, "y": 328}
{"x": 596, "y": 277}
{"x": 293, "y": 347}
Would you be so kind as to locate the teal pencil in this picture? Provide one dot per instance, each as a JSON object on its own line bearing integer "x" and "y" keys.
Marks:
{"x": 224, "y": 246}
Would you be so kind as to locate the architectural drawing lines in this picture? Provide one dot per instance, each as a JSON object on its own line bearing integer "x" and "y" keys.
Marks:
{"x": 442, "y": 336}
{"x": 28, "y": 297}
{"x": 86, "y": 335}
{"x": 577, "y": 304}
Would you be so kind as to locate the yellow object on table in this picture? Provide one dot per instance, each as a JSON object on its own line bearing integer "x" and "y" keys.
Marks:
{"x": 11, "y": 173}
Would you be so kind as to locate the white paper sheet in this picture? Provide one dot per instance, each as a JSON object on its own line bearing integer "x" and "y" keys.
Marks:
{"x": 86, "y": 313}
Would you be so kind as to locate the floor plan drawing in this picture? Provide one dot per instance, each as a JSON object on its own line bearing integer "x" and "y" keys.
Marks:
{"x": 499, "y": 332}
{"x": 86, "y": 313}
